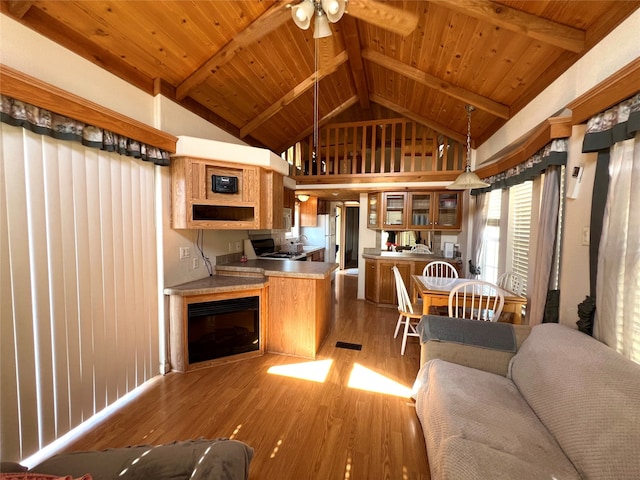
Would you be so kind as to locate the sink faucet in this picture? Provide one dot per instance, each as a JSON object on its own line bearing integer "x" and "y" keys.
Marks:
{"x": 301, "y": 237}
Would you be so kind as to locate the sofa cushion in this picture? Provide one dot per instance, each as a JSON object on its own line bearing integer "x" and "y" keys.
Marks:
{"x": 221, "y": 459}
{"x": 587, "y": 395}
{"x": 477, "y": 426}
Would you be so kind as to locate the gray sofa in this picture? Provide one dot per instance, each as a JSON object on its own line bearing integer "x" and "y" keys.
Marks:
{"x": 203, "y": 459}
{"x": 555, "y": 403}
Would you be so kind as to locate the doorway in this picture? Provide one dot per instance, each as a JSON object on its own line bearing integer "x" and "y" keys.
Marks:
{"x": 351, "y": 229}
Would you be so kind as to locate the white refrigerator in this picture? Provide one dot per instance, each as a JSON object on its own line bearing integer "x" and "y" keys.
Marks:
{"x": 323, "y": 235}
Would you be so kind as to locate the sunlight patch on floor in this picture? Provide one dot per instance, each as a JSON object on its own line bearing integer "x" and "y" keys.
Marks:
{"x": 313, "y": 371}
{"x": 363, "y": 378}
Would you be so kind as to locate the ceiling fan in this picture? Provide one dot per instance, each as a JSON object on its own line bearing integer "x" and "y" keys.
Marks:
{"x": 378, "y": 14}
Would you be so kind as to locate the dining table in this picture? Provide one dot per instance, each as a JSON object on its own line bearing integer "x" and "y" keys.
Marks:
{"x": 434, "y": 292}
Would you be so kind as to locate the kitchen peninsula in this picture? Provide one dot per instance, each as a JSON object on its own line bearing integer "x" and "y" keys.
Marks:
{"x": 294, "y": 306}
{"x": 379, "y": 286}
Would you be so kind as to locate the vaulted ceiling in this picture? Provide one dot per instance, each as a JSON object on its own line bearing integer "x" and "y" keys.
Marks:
{"x": 246, "y": 67}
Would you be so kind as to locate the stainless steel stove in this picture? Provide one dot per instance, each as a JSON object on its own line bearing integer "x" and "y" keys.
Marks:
{"x": 266, "y": 249}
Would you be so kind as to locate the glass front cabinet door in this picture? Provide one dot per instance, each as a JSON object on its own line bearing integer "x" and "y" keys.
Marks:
{"x": 374, "y": 211}
{"x": 394, "y": 211}
{"x": 420, "y": 211}
{"x": 448, "y": 211}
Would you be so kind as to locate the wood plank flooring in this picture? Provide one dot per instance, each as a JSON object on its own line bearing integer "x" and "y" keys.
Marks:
{"x": 300, "y": 429}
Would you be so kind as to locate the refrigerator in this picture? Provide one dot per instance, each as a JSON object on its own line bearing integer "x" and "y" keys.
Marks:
{"x": 323, "y": 235}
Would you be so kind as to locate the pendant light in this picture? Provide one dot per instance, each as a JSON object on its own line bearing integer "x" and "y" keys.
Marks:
{"x": 468, "y": 180}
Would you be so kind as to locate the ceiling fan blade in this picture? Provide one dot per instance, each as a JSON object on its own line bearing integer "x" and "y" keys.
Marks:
{"x": 383, "y": 15}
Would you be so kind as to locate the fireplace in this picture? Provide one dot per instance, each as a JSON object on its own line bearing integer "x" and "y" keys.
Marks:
{"x": 222, "y": 328}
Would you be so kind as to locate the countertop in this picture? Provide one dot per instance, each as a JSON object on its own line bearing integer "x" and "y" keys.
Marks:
{"x": 216, "y": 284}
{"x": 408, "y": 255}
{"x": 281, "y": 268}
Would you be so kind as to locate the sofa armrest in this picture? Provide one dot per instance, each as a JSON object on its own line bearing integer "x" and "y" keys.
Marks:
{"x": 487, "y": 346}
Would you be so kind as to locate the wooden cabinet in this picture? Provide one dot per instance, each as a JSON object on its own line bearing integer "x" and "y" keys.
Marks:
{"x": 373, "y": 209}
{"x": 256, "y": 203}
{"x": 317, "y": 256}
{"x": 394, "y": 211}
{"x": 323, "y": 207}
{"x": 309, "y": 212}
{"x": 370, "y": 280}
{"x": 289, "y": 198}
{"x": 379, "y": 281}
{"x": 429, "y": 210}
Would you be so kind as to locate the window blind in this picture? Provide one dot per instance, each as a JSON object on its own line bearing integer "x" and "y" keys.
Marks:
{"x": 520, "y": 199}
{"x": 78, "y": 296}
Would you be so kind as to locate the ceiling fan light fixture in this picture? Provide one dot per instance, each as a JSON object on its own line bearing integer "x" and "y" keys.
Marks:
{"x": 302, "y": 13}
{"x": 321, "y": 29}
{"x": 334, "y": 9}
{"x": 468, "y": 180}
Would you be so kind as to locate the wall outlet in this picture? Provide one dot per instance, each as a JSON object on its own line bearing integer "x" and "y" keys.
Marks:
{"x": 185, "y": 252}
{"x": 238, "y": 246}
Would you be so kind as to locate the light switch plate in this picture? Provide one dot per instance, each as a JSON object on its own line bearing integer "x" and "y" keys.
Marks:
{"x": 585, "y": 236}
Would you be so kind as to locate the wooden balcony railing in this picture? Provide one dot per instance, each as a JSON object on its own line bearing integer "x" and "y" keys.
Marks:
{"x": 361, "y": 151}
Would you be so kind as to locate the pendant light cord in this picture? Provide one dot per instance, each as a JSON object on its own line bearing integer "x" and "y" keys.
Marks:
{"x": 470, "y": 109}
{"x": 315, "y": 100}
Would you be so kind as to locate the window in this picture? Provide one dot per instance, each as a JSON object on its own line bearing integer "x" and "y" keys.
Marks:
{"x": 520, "y": 199}
{"x": 490, "y": 260}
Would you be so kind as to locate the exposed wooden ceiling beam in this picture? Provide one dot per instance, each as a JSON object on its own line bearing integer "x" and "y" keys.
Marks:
{"x": 294, "y": 93}
{"x": 422, "y": 120}
{"x": 478, "y": 101}
{"x": 272, "y": 19}
{"x": 17, "y": 9}
{"x": 553, "y": 33}
{"x": 383, "y": 15}
{"x": 321, "y": 122}
{"x": 352, "y": 42}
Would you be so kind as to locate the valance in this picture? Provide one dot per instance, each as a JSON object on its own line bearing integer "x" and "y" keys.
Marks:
{"x": 553, "y": 153}
{"x": 44, "y": 122}
{"x": 617, "y": 124}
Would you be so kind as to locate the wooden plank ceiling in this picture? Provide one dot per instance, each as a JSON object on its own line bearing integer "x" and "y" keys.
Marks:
{"x": 246, "y": 67}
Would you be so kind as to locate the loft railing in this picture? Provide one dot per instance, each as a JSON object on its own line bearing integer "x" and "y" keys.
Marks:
{"x": 380, "y": 148}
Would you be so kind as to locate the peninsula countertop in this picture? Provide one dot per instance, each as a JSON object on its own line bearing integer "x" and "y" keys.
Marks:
{"x": 279, "y": 268}
{"x": 407, "y": 255}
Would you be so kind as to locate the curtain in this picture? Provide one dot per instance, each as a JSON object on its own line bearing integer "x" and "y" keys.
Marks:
{"x": 615, "y": 135}
{"x": 479, "y": 224}
{"x": 547, "y": 234}
{"x": 617, "y": 321}
{"x": 44, "y": 122}
{"x": 78, "y": 285}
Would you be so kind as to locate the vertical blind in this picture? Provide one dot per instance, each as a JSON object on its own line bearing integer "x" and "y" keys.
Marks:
{"x": 520, "y": 199}
{"x": 78, "y": 310}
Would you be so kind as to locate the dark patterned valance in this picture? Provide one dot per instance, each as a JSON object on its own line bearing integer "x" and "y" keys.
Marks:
{"x": 44, "y": 122}
{"x": 553, "y": 153}
{"x": 617, "y": 124}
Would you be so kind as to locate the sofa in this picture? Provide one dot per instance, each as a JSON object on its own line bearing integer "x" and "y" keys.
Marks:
{"x": 500, "y": 401}
{"x": 202, "y": 459}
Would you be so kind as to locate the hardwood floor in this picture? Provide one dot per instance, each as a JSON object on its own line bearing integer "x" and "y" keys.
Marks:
{"x": 300, "y": 429}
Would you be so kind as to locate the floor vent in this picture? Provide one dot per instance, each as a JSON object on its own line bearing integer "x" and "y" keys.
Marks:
{"x": 350, "y": 346}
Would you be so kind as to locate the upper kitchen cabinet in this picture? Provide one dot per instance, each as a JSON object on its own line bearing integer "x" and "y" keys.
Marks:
{"x": 394, "y": 215}
{"x": 374, "y": 218}
{"x": 309, "y": 212}
{"x": 206, "y": 194}
{"x": 429, "y": 210}
{"x": 240, "y": 189}
{"x": 448, "y": 211}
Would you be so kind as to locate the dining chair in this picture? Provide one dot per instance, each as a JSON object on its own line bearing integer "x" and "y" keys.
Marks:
{"x": 476, "y": 300}
{"x": 439, "y": 269}
{"x": 512, "y": 282}
{"x": 408, "y": 317}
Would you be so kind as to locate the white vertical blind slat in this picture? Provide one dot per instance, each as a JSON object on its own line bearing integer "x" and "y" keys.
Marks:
{"x": 9, "y": 412}
{"x": 79, "y": 285}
